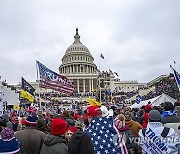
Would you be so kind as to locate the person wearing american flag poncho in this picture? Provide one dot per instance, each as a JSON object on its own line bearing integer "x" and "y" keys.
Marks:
{"x": 103, "y": 133}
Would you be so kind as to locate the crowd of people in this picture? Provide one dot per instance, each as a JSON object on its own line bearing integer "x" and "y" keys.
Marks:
{"x": 95, "y": 129}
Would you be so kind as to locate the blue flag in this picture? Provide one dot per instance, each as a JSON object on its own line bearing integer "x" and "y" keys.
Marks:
{"x": 177, "y": 77}
{"x": 105, "y": 137}
{"x": 138, "y": 99}
{"x": 107, "y": 92}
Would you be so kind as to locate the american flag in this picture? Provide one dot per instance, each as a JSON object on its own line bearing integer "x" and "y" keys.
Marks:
{"x": 105, "y": 137}
{"x": 177, "y": 77}
{"x": 52, "y": 80}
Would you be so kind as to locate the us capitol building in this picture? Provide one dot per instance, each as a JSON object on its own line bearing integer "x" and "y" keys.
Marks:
{"x": 78, "y": 65}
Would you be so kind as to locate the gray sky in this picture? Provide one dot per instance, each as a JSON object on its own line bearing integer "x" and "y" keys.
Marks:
{"x": 138, "y": 38}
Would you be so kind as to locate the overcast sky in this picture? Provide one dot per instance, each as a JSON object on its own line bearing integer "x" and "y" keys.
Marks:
{"x": 138, "y": 38}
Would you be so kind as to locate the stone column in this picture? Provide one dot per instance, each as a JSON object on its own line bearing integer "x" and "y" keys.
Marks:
{"x": 70, "y": 69}
{"x": 84, "y": 85}
{"x": 90, "y": 85}
{"x": 86, "y": 68}
{"x": 78, "y": 85}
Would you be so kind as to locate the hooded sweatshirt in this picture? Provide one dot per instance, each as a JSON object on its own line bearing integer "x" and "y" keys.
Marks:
{"x": 54, "y": 144}
{"x": 153, "y": 142}
{"x": 134, "y": 127}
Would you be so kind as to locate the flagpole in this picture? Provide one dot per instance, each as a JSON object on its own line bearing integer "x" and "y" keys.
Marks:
{"x": 174, "y": 64}
{"x": 38, "y": 85}
{"x": 99, "y": 82}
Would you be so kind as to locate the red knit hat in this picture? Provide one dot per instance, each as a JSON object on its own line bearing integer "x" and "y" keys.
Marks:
{"x": 76, "y": 116}
{"x": 58, "y": 126}
{"x": 93, "y": 111}
{"x": 73, "y": 129}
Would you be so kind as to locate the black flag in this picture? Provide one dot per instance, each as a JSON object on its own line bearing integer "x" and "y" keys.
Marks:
{"x": 27, "y": 87}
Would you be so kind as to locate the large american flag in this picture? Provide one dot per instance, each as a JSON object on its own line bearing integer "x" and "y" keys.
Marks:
{"x": 105, "y": 137}
{"x": 52, "y": 80}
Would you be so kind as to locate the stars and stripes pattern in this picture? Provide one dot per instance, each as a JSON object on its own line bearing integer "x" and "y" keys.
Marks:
{"x": 52, "y": 80}
{"x": 105, "y": 136}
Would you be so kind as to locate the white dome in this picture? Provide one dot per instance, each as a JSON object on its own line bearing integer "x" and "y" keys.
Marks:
{"x": 77, "y": 47}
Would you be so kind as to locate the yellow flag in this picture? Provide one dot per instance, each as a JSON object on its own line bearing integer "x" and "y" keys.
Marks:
{"x": 97, "y": 103}
{"x": 16, "y": 107}
{"x": 27, "y": 95}
{"x": 93, "y": 102}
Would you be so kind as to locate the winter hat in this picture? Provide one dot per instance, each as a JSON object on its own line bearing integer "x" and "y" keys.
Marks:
{"x": 31, "y": 121}
{"x": 34, "y": 114}
{"x": 73, "y": 129}
{"x": 154, "y": 115}
{"x": 9, "y": 144}
{"x": 58, "y": 126}
{"x": 119, "y": 121}
{"x": 7, "y": 134}
{"x": 93, "y": 111}
{"x": 76, "y": 117}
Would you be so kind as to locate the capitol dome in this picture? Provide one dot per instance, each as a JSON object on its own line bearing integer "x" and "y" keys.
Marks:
{"x": 77, "y": 59}
{"x": 78, "y": 65}
{"x": 77, "y": 45}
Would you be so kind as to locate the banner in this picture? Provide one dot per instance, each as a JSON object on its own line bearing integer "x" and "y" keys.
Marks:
{"x": 50, "y": 79}
{"x": 27, "y": 87}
